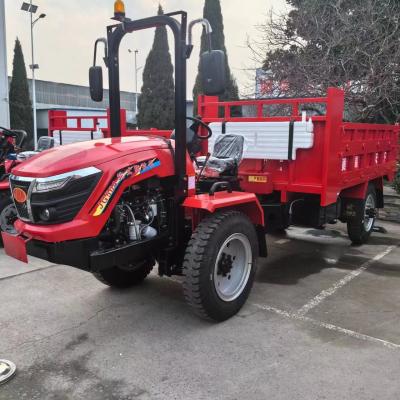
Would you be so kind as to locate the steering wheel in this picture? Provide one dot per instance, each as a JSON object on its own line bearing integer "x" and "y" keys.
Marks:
{"x": 14, "y": 134}
{"x": 198, "y": 122}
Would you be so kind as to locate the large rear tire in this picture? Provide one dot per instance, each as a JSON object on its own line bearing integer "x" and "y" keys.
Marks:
{"x": 123, "y": 278}
{"x": 220, "y": 264}
{"x": 361, "y": 226}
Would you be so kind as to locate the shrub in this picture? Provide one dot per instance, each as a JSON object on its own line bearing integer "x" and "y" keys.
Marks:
{"x": 396, "y": 183}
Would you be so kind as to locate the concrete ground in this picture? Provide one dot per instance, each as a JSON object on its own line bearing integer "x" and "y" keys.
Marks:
{"x": 391, "y": 212}
{"x": 322, "y": 322}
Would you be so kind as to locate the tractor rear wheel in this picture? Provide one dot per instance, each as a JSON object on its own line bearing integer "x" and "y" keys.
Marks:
{"x": 360, "y": 228}
{"x": 124, "y": 277}
{"x": 220, "y": 264}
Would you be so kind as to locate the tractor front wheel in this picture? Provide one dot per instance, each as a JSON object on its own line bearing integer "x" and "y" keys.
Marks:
{"x": 220, "y": 264}
{"x": 125, "y": 277}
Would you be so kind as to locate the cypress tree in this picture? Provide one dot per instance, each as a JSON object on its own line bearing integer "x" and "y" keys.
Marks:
{"x": 212, "y": 12}
{"x": 157, "y": 101}
{"x": 20, "y": 103}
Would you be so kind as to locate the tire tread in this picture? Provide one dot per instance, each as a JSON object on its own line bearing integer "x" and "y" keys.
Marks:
{"x": 195, "y": 257}
{"x": 355, "y": 228}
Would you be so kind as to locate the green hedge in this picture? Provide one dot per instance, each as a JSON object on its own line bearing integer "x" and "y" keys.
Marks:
{"x": 396, "y": 183}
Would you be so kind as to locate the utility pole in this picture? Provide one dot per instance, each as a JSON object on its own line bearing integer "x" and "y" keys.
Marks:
{"x": 136, "y": 52}
{"x": 35, "y": 138}
{"x": 31, "y": 8}
{"x": 136, "y": 82}
{"x": 4, "y": 103}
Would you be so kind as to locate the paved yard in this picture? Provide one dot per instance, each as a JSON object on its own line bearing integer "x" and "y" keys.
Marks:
{"x": 323, "y": 322}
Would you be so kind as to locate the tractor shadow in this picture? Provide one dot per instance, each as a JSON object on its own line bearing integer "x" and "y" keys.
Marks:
{"x": 316, "y": 250}
{"x": 305, "y": 255}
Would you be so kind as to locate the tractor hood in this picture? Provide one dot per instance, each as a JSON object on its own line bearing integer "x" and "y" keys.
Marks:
{"x": 81, "y": 155}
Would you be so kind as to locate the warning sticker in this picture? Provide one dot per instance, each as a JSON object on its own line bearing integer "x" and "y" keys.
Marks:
{"x": 258, "y": 179}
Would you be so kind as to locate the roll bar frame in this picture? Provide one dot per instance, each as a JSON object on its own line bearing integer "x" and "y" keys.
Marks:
{"x": 115, "y": 34}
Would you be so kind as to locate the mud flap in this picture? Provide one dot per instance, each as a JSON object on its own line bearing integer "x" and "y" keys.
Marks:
{"x": 15, "y": 246}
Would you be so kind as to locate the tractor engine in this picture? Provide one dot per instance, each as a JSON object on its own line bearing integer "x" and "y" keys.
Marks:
{"x": 140, "y": 214}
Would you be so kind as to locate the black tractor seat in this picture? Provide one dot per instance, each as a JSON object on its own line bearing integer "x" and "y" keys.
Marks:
{"x": 226, "y": 156}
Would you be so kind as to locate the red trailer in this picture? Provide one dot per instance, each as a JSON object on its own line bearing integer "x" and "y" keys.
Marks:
{"x": 61, "y": 123}
{"x": 343, "y": 163}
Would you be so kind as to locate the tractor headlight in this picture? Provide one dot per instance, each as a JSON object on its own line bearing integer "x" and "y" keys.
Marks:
{"x": 59, "y": 181}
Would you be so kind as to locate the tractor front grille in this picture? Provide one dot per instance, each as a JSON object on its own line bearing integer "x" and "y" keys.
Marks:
{"x": 65, "y": 202}
{"x": 22, "y": 208}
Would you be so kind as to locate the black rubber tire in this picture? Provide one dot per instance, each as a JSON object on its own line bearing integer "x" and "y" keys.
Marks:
{"x": 123, "y": 278}
{"x": 5, "y": 200}
{"x": 200, "y": 259}
{"x": 355, "y": 226}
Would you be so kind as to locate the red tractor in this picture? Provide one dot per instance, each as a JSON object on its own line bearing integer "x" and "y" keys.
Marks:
{"x": 198, "y": 204}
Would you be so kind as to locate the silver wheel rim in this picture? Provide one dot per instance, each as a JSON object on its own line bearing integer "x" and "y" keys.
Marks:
{"x": 232, "y": 267}
{"x": 369, "y": 205}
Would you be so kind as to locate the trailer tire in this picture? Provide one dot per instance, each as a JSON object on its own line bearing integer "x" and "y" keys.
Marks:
{"x": 360, "y": 228}
{"x": 220, "y": 265}
{"x": 122, "y": 278}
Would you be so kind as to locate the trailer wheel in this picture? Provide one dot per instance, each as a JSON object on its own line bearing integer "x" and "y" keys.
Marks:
{"x": 220, "y": 264}
{"x": 360, "y": 228}
{"x": 123, "y": 278}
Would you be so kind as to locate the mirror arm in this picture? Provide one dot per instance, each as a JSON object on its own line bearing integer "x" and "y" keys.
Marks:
{"x": 207, "y": 26}
{"x": 104, "y": 41}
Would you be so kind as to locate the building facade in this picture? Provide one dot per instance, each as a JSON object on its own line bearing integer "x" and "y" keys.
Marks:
{"x": 74, "y": 99}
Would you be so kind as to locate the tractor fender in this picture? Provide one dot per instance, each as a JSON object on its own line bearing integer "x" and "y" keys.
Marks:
{"x": 201, "y": 205}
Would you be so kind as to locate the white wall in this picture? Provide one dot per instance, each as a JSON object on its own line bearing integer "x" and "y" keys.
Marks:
{"x": 4, "y": 107}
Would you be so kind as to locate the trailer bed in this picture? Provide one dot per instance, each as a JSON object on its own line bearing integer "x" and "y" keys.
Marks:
{"x": 344, "y": 156}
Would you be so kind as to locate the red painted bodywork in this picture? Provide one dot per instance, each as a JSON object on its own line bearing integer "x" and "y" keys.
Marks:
{"x": 108, "y": 155}
{"x": 246, "y": 202}
{"x": 4, "y": 185}
{"x": 367, "y": 151}
{"x": 88, "y": 154}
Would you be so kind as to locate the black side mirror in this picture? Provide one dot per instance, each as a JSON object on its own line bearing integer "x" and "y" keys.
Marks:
{"x": 96, "y": 83}
{"x": 213, "y": 72}
{"x": 96, "y": 73}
